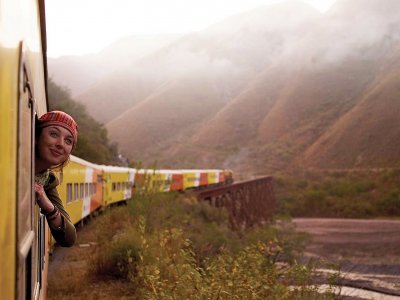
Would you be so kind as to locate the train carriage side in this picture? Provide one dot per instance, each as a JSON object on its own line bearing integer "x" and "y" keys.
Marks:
{"x": 24, "y": 258}
{"x": 203, "y": 178}
{"x": 176, "y": 180}
{"x": 80, "y": 188}
{"x": 213, "y": 176}
{"x": 117, "y": 184}
{"x": 160, "y": 180}
{"x": 221, "y": 178}
{"x": 150, "y": 180}
{"x": 140, "y": 184}
{"x": 191, "y": 179}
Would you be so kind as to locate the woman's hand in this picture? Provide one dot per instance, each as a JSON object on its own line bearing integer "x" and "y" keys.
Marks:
{"x": 42, "y": 200}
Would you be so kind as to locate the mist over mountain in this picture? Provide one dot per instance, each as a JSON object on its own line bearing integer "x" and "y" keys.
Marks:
{"x": 80, "y": 72}
{"x": 277, "y": 87}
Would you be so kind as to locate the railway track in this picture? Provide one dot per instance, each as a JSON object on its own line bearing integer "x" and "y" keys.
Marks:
{"x": 248, "y": 203}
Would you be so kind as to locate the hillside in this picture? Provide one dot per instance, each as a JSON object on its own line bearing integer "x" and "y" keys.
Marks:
{"x": 93, "y": 142}
{"x": 258, "y": 94}
{"x": 369, "y": 134}
{"x": 167, "y": 117}
{"x": 278, "y": 118}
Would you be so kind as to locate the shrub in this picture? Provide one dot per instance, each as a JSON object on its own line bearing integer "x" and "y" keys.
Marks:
{"x": 173, "y": 247}
{"x": 390, "y": 203}
{"x": 116, "y": 259}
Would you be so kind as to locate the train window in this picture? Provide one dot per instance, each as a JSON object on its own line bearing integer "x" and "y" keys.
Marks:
{"x": 94, "y": 188}
{"x": 86, "y": 189}
{"x": 81, "y": 190}
{"x": 119, "y": 186}
{"x": 76, "y": 191}
{"x": 113, "y": 186}
{"x": 69, "y": 193}
{"x": 99, "y": 178}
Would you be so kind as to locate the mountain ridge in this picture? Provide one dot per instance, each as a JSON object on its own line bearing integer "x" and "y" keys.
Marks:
{"x": 259, "y": 98}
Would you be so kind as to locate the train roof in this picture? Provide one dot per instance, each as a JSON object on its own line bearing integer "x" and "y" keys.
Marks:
{"x": 157, "y": 171}
{"x": 83, "y": 162}
{"x": 116, "y": 169}
{"x": 200, "y": 170}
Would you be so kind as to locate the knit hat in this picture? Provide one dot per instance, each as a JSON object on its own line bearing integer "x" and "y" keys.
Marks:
{"x": 61, "y": 119}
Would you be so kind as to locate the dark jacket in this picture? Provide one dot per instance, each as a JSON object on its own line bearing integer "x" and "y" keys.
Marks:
{"x": 65, "y": 237}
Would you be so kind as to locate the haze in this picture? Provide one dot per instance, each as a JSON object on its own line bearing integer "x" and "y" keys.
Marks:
{"x": 76, "y": 27}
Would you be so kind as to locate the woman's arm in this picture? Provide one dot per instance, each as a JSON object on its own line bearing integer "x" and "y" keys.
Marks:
{"x": 62, "y": 229}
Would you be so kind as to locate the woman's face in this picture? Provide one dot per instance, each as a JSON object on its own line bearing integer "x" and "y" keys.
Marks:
{"x": 55, "y": 145}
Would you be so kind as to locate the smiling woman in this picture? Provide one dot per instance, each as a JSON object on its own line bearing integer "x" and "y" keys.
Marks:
{"x": 56, "y": 137}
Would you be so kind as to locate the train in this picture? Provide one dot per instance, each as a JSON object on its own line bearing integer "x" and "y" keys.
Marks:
{"x": 84, "y": 187}
{"x": 23, "y": 230}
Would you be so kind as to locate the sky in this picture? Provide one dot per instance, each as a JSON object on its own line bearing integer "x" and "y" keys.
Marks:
{"x": 76, "y": 27}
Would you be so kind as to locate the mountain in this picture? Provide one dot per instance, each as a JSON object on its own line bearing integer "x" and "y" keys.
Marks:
{"x": 222, "y": 48}
{"x": 79, "y": 72}
{"x": 170, "y": 114}
{"x": 290, "y": 105}
{"x": 368, "y": 135}
{"x": 277, "y": 87}
{"x": 215, "y": 63}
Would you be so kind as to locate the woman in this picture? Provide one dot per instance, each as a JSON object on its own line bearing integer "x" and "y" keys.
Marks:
{"x": 56, "y": 137}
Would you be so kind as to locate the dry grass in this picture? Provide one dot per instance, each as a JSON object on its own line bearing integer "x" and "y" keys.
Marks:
{"x": 166, "y": 247}
{"x": 68, "y": 273}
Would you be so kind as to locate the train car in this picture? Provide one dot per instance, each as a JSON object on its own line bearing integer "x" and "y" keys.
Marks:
{"x": 24, "y": 258}
{"x": 213, "y": 176}
{"x": 194, "y": 179}
{"x": 159, "y": 181}
{"x": 177, "y": 181}
{"x": 117, "y": 184}
{"x": 81, "y": 188}
{"x": 141, "y": 180}
{"x": 151, "y": 180}
{"x": 191, "y": 179}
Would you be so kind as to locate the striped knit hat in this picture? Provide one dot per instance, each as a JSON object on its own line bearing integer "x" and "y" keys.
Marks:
{"x": 61, "y": 119}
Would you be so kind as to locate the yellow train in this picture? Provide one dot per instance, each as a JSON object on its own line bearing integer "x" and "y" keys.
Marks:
{"x": 85, "y": 187}
{"x": 23, "y": 259}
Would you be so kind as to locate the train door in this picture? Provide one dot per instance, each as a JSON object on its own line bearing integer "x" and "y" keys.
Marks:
{"x": 30, "y": 223}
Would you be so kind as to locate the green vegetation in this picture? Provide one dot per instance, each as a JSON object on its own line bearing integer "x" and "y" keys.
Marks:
{"x": 167, "y": 246}
{"x": 339, "y": 194}
{"x": 93, "y": 144}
